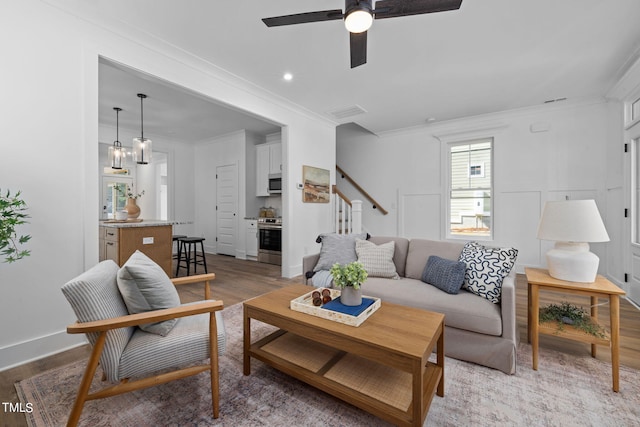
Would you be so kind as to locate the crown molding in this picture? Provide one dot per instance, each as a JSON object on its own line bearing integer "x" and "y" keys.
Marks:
{"x": 496, "y": 119}
{"x": 119, "y": 29}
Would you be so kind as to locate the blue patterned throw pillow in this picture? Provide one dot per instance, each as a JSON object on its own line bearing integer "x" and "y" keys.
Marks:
{"x": 486, "y": 269}
{"x": 444, "y": 274}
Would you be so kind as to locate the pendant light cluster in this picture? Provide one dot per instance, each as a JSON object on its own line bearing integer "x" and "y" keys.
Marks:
{"x": 141, "y": 145}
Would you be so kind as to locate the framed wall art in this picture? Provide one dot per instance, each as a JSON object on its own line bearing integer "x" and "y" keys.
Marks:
{"x": 316, "y": 186}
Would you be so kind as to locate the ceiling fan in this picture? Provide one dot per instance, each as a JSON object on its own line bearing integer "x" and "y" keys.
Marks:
{"x": 359, "y": 15}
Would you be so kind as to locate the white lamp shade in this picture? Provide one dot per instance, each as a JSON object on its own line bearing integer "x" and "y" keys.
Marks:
{"x": 572, "y": 221}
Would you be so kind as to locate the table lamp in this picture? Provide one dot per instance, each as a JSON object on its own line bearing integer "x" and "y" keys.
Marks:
{"x": 572, "y": 224}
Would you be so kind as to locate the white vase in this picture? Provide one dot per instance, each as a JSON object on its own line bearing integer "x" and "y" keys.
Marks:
{"x": 351, "y": 296}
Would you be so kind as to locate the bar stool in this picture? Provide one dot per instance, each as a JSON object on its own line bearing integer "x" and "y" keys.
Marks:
{"x": 175, "y": 238}
{"x": 187, "y": 245}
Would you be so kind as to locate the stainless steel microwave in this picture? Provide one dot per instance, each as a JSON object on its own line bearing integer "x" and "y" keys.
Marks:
{"x": 275, "y": 183}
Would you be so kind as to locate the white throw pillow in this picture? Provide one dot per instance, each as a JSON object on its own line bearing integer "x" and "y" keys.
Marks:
{"x": 146, "y": 287}
{"x": 377, "y": 259}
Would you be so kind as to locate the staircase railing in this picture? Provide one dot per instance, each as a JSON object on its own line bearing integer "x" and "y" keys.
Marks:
{"x": 375, "y": 204}
{"x": 348, "y": 213}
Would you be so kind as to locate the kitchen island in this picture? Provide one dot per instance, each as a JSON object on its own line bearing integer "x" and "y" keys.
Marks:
{"x": 120, "y": 239}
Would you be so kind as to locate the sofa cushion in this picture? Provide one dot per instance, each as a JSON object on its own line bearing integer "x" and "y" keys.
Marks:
{"x": 337, "y": 248}
{"x": 486, "y": 269}
{"x": 377, "y": 259}
{"x": 463, "y": 311}
{"x": 146, "y": 287}
{"x": 444, "y": 274}
{"x": 421, "y": 249}
{"x": 400, "y": 251}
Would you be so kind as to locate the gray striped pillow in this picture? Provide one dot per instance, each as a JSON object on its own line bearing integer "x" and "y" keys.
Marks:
{"x": 377, "y": 259}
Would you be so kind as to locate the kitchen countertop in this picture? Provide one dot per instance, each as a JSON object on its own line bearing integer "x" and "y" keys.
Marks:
{"x": 143, "y": 223}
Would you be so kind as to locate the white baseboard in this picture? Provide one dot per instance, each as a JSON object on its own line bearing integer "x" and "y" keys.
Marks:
{"x": 38, "y": 348}
{"x": 294, "y": 270}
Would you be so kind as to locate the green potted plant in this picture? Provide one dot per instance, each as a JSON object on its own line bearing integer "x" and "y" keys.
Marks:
{"x": 349, "y": 278}
{"x": 569, "y": 314}
{"x": 12, "y": 214}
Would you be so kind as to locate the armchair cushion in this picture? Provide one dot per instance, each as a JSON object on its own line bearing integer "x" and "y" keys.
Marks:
{"x": 148, "y": 353}
{"x": 94, "y": 295}
{"x": 145, "y": 287}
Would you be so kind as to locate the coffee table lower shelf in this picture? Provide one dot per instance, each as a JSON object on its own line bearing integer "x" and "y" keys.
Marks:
{"x": 381, "y": 390}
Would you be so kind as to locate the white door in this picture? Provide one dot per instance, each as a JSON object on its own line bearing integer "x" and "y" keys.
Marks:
{"x": 226, "y": 209}
{"x": 633, "y": 269}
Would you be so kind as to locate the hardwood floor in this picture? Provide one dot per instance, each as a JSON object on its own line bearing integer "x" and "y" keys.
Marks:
{"x": 238, "y": 280}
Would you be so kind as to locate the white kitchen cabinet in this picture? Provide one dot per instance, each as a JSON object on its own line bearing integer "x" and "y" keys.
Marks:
{"x": 262, "y": 169}
{"x": 251, "y": 236}
{"x": 268, "y": 161}
{"x": 275, "y": 158}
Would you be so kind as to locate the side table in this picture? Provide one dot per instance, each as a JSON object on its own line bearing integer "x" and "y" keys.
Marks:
{"x": 539, "y": 279}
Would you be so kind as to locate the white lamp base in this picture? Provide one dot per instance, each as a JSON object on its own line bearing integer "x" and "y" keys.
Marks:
{"x": 572, "y": 262}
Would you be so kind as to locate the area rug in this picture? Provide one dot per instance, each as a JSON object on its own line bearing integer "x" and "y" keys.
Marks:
{"x": 566, "y": 390}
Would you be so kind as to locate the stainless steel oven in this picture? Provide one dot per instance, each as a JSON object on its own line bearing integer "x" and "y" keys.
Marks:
{"x": 270, "y": 240}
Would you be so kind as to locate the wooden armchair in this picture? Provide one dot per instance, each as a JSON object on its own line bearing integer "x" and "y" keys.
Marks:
{"x": 125, "y": 351}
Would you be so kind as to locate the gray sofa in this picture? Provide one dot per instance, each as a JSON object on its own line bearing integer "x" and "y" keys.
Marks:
{"x": 476, "y": 330}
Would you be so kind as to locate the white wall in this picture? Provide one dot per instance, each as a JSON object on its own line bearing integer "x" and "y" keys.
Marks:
{"x": 304, "y": 220}
{"x": 50, "y": 152}
{"x": 570, "y": 157}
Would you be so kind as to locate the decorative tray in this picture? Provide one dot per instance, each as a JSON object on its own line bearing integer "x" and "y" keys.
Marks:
{"x": 304, "y": 304}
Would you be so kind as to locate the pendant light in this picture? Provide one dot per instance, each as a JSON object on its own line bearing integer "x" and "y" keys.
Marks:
{"x": 116, "y": 152}
{"x": 142, "y": 145}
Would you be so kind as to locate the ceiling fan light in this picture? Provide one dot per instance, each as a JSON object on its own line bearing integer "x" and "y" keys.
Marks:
{"x": 358, "y": 21}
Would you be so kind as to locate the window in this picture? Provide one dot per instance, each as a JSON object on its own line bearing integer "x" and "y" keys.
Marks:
{"x": 476, "y": 170}
{"x": 470, "y": 189}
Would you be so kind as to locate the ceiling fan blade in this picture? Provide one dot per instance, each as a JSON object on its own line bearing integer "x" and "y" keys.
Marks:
{"x": 358, "y": 42}
{"x": 395, "y": 8}
{"x": 303, "y": 18}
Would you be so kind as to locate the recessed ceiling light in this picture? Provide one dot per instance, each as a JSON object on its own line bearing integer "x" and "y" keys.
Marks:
{"x": 288, "y": 76}
{"x": 430, "y": 119}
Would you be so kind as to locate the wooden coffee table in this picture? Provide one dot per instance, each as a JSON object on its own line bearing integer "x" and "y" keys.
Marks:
{"x": 380, "y": 366}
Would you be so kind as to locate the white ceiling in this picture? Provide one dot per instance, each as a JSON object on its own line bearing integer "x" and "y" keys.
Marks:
{"x": 491, "y": 55}
{"x": 169, "y": 110}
